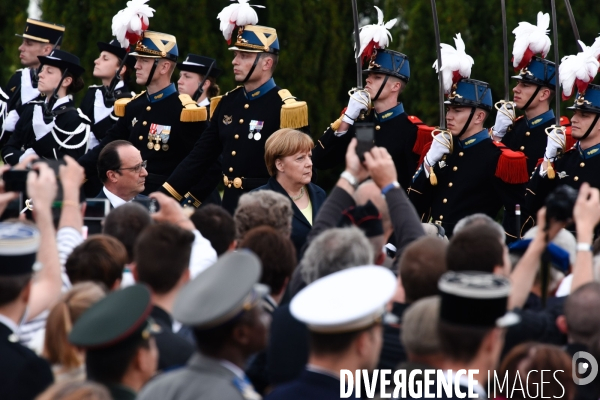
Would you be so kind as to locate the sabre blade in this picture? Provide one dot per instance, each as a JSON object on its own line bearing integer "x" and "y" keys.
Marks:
{"x": 436, "y": 29}
{"x": 556, "y": 62}
{"x": 573, "y": 23}
{"x": 505, "y": 42}
{"x": 357, "y": 44}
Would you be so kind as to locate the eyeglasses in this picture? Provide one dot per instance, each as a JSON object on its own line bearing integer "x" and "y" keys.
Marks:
{"x": 137, "y": 168}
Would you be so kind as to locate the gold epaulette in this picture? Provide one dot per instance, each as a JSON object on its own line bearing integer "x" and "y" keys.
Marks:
{"x": 191, "y": 111}
{"x": 120, "y": 104}
{"x": 294, "y": 113}
{"x": 214, "y": 102}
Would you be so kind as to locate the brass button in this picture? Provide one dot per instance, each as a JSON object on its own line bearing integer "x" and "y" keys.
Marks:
{"x": 148, "y": 108}
{"x": 582, "y": 165}
{"x": 445, "y": 201}
{"x": 241, "y": 121}
{"x": 233, "y": 153}
{"x": 450, "y": 184}
{"x": 141, "y": 137}
{"x": 461, "y": 154}
{"x": 522, "y": 148}
{"x": 246, "y": 106}
{"x": 527, "y": 133}
{"x": 230, "y": 169}
{"x": 454, "y": 169}
{"x": 377, "y": 128}
{"x": 441, "y": 217}
{"x": 144, "y": 123}
{"x": 576, "y": 178}
{"x": 236, "y": 136}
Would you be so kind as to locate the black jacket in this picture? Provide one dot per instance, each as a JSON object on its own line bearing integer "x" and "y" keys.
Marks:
{"x": 300, "y": 225}
{"x": 310, "y": 385}
{"x": 173, "y": 350}
{"x": 99, "y": 128}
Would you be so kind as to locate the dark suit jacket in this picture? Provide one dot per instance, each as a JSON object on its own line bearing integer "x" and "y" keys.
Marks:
{"x": 310, "y": 385}
{"x": 300, "y": 225}
{"x": 23, "y": 375}
{"x": 102, "y": 195}
{"x": 173, "y": 350}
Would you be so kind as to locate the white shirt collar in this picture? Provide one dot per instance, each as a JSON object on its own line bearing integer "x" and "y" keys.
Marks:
{"x": 115, "y": 200}
{"x": 237, "y": 371}
{"x": 204, "y": 102}
{"x": 10, "y": 324}
{"x": 60, "y": 101}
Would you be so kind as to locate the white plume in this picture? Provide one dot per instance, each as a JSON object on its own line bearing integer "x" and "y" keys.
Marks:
{"x": 375, "y": 36}
{"x": 237, "y": 14}
{"x": 530, "y": 40}
{"x": 129, "y": 23}
{"x": 456, "y": 63}
{"x": 580, "y": 69}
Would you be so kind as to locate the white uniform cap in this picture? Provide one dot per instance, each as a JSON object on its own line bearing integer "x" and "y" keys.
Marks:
{"x": 345, "y": 301}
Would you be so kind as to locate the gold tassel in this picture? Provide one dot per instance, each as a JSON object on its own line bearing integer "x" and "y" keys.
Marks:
{"x": 551, "y": 173}
{"x": 119, "y": 107}
{"x": 294, "y": 114}
{"x": 335, "y": 125}
{"x": 432, "y": 177}
{"x": 214, "y": 102}
{"x": 191, "y": 112}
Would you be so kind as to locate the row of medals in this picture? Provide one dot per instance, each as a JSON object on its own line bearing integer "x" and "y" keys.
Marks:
{"x": 158, "y": 137}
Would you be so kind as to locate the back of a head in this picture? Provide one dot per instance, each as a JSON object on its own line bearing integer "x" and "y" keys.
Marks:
{"x": 420, "y": 327}
{"x": 57, "y": 349}
{"x": 334, "y": 250}
{"x": 479, "y": 219}
{"x": 216, "y": 225}
{"x": 162, "y": 255}
{"x": 421, "y": 265}
{"x": 125, "y": 223}
{"x": 75, "y": 390}
{"x": 100, "y": 259}
{"x": 264, "y": 207}
{"x": 277, "y": 255}
{"x": 581, "y": 313}
{"x": 475, "y": 248}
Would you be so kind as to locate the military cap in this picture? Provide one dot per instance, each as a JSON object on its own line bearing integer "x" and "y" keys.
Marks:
{"x": 345, "y": 301}
{"x": 540, "y": 72}
{"x": 471, "y": 93}
{"x": 63, "y": 60}
{"x": 367, "y": 218}
{"x": 19, "y": 244}
{"x": 156, "y": 45}
{"x": 114, "y": 47}
{"x": 200, "y": 65}
{"x": 475, "y": 299}
{"x": 589, "y": 101}
{"x": 120, "y": 318}
{"x": 389, "y": 62}
{"x": 257, "y": 39}
{"x": 222, "y": 292}
{"x": 41, "y": 31}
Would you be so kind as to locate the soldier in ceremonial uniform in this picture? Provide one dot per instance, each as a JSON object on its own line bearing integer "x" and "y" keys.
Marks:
{"x": 578, "y": 164}
{"x": 224, "y": 307}
{"x": 23, "y": 375}
{"x": 467, "y": 172}
{"x": 193, "y": 79}
{"x": 117, "y": 335}
{"x": 160, "y": 123}
{"x": 39, "y": 39}
{"x": 402, "y": 135}
{"x": 242, "y": 120}
{"x": 53, "y": 127}
{"x": 345, "y": 334}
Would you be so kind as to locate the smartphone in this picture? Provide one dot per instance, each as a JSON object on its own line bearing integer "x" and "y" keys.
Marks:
{"x": 365, "y": 135}
{"x": 96, "y": 209}
{"x": 15, "y": 180}
{"x": 150, "y": 204}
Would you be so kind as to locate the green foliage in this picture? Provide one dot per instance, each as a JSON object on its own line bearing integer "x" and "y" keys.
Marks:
{"x": 12, "y": 20}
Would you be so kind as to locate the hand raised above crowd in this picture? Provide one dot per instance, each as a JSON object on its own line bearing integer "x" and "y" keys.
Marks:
{"x": 171, "y": 211}
{"x": 353, "y": 164}
{"x": 381, "y": 166}
{"x": 41, "y": 186}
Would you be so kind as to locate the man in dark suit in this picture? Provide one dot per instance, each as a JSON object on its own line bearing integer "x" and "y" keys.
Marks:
{"x": 122, "y": 172}
{"x": 23, "y": 375}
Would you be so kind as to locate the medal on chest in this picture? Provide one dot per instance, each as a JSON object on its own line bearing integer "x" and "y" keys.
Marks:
{"x": 255, "y": 128}
{"x": 159, "y": 134}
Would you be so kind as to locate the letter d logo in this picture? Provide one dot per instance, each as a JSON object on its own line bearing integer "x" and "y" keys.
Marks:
{"x": 590, "y": 364}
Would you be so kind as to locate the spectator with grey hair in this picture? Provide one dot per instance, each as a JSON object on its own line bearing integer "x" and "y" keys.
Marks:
{"x": 479, "y": 219}
{"x": 263, "y": 207}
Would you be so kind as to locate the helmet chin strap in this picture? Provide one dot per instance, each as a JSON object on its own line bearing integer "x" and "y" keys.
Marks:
{"x": 253, "y": 67}
{"x": 537, "y": 90}
{"x": 152, "y": 72}
{"x": 380, "y": 88}
{"x": 464, "y": 129}
{"x": 590, "y": 129}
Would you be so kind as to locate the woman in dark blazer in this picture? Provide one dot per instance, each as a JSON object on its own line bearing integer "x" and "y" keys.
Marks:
{"x": 288, "y": 156}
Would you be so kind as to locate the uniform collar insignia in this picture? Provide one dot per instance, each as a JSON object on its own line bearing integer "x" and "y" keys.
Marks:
{"x": 540, "y": 119}
{"x": 260, "y": 91}
{"x": 590, "y": 152}
{"x": 162, "y": 94}
{"x": 390, "y": 114}
{"x": 473, "y": 140}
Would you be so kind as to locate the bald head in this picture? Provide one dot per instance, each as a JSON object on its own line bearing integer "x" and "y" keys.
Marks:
{"x": 370, "y": 191}
{"x": 581, "y": 313}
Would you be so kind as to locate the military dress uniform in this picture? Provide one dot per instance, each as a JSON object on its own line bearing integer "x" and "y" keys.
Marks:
{"x": 241, "y": 122}
{"x": 479, "y": 176}
{"x": 163, "y": 126}
{"x": 403, "y": 136}
{"x": 51, "y": 135}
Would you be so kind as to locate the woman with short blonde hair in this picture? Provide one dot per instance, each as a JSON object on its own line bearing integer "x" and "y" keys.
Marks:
{"x": 288, "y": 157}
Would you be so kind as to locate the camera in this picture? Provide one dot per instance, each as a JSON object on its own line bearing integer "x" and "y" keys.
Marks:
{"x": 149, "y": 204}
{"x": 560, "y": 204}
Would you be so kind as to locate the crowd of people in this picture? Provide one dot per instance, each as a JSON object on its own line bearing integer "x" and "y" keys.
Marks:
{"x": 127, "y": 271}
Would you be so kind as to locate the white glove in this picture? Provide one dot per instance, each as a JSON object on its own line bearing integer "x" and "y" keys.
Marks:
{"x": 100, "y": 110}
{"x": 11, "y": 121}
{"x": 359, "y": 101}
{"x": 437, "y": 151}
{"x": 503, "y": 121}
{"x": 556, "y": 141}
{"x": 40, "y": 128}
{"x": 27, "y": 153}
{"x": 28, "y": 92}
